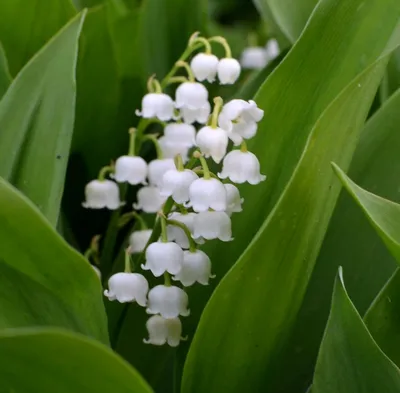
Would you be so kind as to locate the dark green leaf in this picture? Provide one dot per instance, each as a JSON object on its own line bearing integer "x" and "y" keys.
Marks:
{"x": 349, "y": 359}
{"x": 290, "y": 15}
{"x": 45, "y": 281}
{"x": 5, "y": 77}
{"x": 350, "y": 242}
{"x": 49, "y": 361}
{"x": 245, "y": 342}
{"x": 36, "y": 121}
{"x": 27, "y": 25}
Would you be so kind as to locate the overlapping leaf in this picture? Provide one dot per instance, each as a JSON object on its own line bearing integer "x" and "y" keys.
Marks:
{"x": 48, "y": 361}
{"x": 44, "y": 281}
{"x": 5, "y": 77}
{"x": 36, "y": 121}
{"x": 349, "y": 359}
{"x": 258, "y": 299}
{"x": 27, "y": 25}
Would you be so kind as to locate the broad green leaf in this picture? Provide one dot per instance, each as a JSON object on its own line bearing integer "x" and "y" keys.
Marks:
{"x": 290, "y": 15}
{"x": 45, "y": 281}
{"x": 248, "y": 319}
{"x": 351, "y": 242}
{"x": 36, "y": 121}
{"x": 81, "y": 4}
{"x": 383, "y": 214}
{"x": 349, "y": 359}
{"x": 48, "y": 361}
{"x": 27, "y": 25}
{"x": 312, "y": 74}
{"x": 165, "y": 28}
{"x": 5, "y": 77}
{"x": 391, "y": 81}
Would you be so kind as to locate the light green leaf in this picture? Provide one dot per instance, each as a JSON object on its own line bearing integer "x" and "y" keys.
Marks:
{"x": 44, "y": 281}
{"x": 351, "y": 242}
{"x": 312, "y": 74}
{"x": 257, "y": 301}
{"x": 36, "y": 121}
{"x": 290, "y": 15}
{"x": 5, "y": 77}
{"x": 349, "y": 359}
{"x": 48, "y": 361}
{"x": 23, "y": 33}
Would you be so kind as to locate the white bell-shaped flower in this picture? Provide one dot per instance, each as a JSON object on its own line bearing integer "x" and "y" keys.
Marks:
{"x": 149, "y": 200}
{"x": 191, "y": 95}
{"x": 207, "y": 194}
{"x": 138, "y": 240}
{"x": 170, "y": 149}
{"x": 163, "y": 257}
{"x": 234, "y": 199}
{"x": 174, "y": 233}
{"x": 162, "y": 331}
{"x": 176, "y": 184}
{"x": 168, "y": 301}
{"x": 199, "y": 115}
{"x": 157, "y": 105}
{"x": 272, "y": 48}
{"x": 102, "y": 194}
{"x": 131, "y": 169}
{"x": 239, "y": 118}
{"x": 196, "y": 268}
{"x": 204, "y": 66}
{"x": 212, "y": 225}
{"x": 228, "y": 71}
{"x": 127, "y": 287}
{"x": 241, "y": 167}
{"x": 180, "y": 133}
{"x": 157, "y": 169}
{"x": 213, "y": 142}
{"x": 254, "y": 58}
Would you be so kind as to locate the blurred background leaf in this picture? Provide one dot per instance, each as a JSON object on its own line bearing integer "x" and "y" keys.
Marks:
{"x": 350, "y": 242}
{"x": 5, "y": 77}
{"x": 46, "y": 282}
{"x": 54, "y": 360}
{"x": 349, "y": 360}
{"x": 36, "y": 121}
{"x": 272, "y": 274}
{"x": 24, "y": 33}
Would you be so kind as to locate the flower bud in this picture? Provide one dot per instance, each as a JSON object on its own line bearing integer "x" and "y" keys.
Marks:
{"x": 254, "y": 58}
{"x": 149, "y": 200}
{"x": 162, "y": 330}
{"x": 127, "y": 287}
{"x": 163, "y": 257}
{"x": 241, "y": 167}
{"x": 228, "y": 71}
{"x": 196, "y": 267}
{"x": 168, "y": 301}
{"x": 138, "y": 240}
{"x": 207, "y": 194}
{"x": 157, "y": 105}
{"x": 176, "y": 184}
{"x": 212, "y": 225}
{"x": 233, "y": 198}
{"x": 213, "y": 142}
{"x": 204, "y": 66}
{"x": 131, "y": 169}
{"x": 157, "y": 169}
{"x": 102, "y": 194}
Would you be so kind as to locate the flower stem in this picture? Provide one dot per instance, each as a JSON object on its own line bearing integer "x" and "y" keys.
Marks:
{"x": 167, "y": 280}
{"x": 157, "y": 146}
{"x": 132, "y": 139}
{"x": 243, "y": 147}
{"x": 203, "y": 41}
{"x": 164, "y": 236}
{"x": 177, "y": 79}
{"x": 186, "y": 66}
{"x": 128, "y": 267}
{"x": 179, "y": 163}
{"x": 203, "y": 162}
{"x": 224, "y": 43}
{"x": 218, "y": 102}
{"x": 192, "y": 243}
{"x": 104, "y": 171}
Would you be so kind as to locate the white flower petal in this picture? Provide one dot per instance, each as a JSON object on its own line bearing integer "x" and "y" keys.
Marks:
{"x": 138, "y": 240}
{"x": 228, "y": 71}
{"x": 149, "y": 200}
{"x": 212, "y": 225}
{"x": 213, "y": 142}
{"x": 102, "y": 194}
{"x": 130, "y": 169}
{"x": 207, "y": 194}
{"x": 168, "y": 301}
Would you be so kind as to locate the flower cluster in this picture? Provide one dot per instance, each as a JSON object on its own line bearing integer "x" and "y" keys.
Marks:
{"x": 191, "y": 204}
